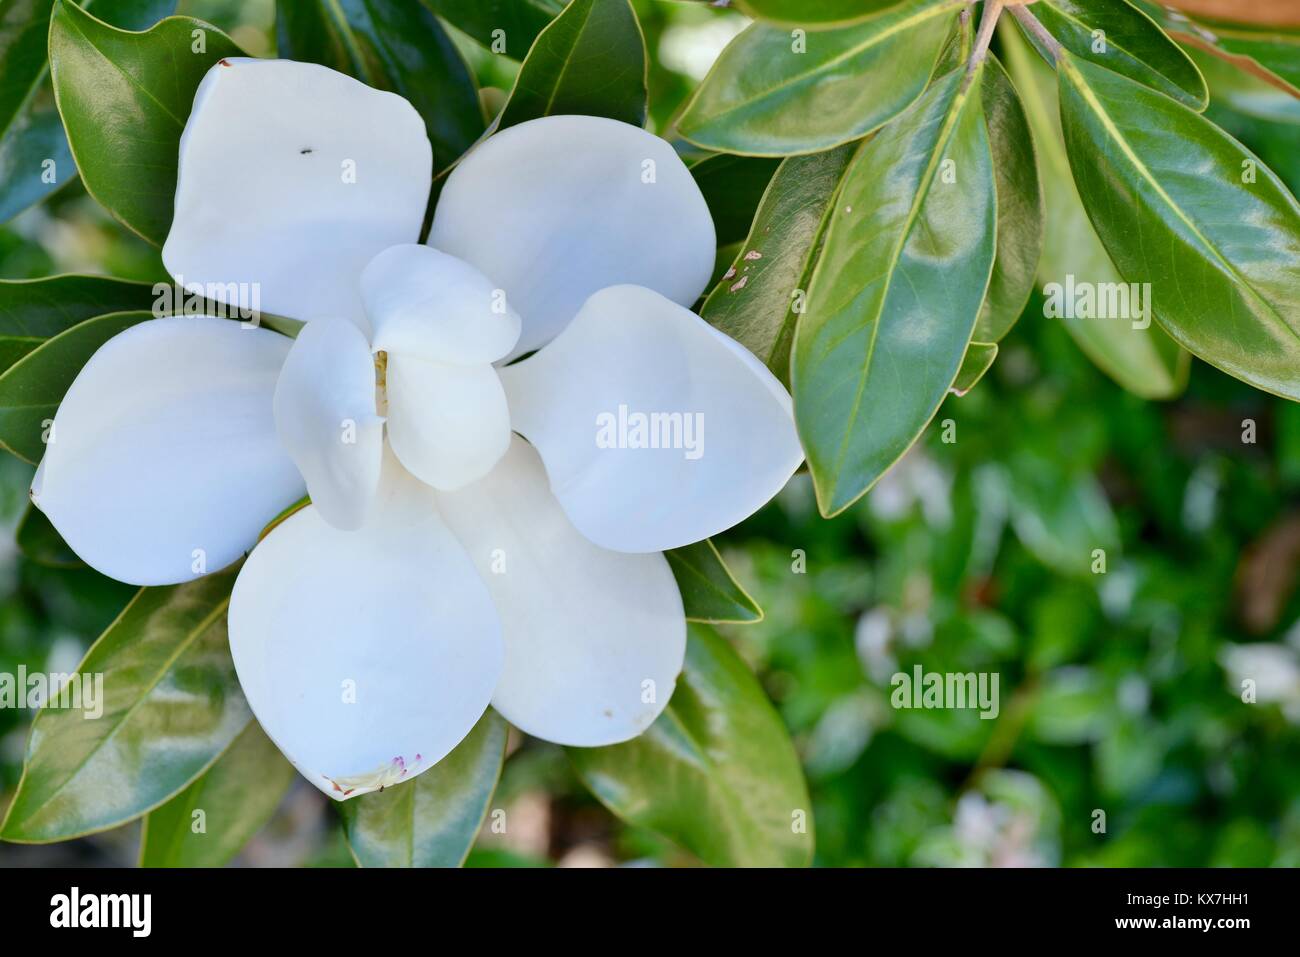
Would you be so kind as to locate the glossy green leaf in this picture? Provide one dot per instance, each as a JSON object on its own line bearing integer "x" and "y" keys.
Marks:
{"x": 41, "y": 542}
{"x": 1277, "y": 54}
{"x": 167, "y": 707}
{"x": 1122, "y": 38}
{"x": 1020, "y": 205}
{"x": 591, "y": 60}
{"x": 733, "y": 186}
{"x": 1240, "y": 100}
{"x": 209, "y": 822}
{"x": 433, "y": 820}
{"x": 768, "y": 94}
{"x": 31, "y": 390}
{"x": 394, "y": 45}
{"x": 1245, "y": 92}
{"x": 977, "y": 361}
{"x": 34, "y": 156}
{"x": 1144, "y": 361}
{"x": 1273, "y": 52}
{"x": 33, "y": 310}
{"x": 896, "y": 292}
{"x": 815, "y": 13}
{"x": 503, "y": 26}
{"x": 716, "y": 772}
{"x": 709, "y": 591}
{"x": 957, "y": 48}
{"x": 1182, "y": 206}
{"x": 760, "y": 299}
{"x": 125, "y": 98}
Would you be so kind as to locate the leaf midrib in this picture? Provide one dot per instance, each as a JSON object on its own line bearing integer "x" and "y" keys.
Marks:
{"x": 709, "y": 584}
{"x": 131, "y": 81}
{"x": 706, "y": 765}
{"x": 181, "y": 648}
{"x": 1095, "y": 105}
{"x": 568, "y": 59}
{"x": 922, "y": 15}
{"x": 913, "y": 214}
{"x": 1065, "y": 15}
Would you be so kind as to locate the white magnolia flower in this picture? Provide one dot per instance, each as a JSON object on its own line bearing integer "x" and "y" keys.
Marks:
{"x": 445, "y": 563}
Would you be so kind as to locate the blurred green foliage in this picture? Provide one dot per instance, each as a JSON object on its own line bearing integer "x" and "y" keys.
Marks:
{"x": 1120, "y": 692}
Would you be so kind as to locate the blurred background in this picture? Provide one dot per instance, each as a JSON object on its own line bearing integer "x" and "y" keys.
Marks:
{"x": 1120, "y": 692}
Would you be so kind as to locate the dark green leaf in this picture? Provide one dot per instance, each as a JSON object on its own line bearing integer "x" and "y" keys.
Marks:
{"x": 591, "y": 60}
{"x": 1020, "y": 205}
{"x": 766, "y": 95}
{"x": 709, "y": 591}
{"x": 124, "y": 98}
{"x": 31, "y": 390}
{"x": 815, "y": 13}
{"x": 759, "y": 301}
{"x": 34, "y": 156}
{"x": 733, "y": 186}
{"x": 504, "y": 26}
{"x": 1122, "y": 38}
{"x": 395, "y": 45}
{"x": 1182, "y": 206}
{"x": 170, "y": 706}
{"x": 40, "y": 541}
{"x": 896, "y": 291}
{"x": 716, "y": 772}
{"x": 33, "y": 310}
{"x": 211, "y": 820}
{"x": 1144, "y": 361}
{"x": 433, "y": 820}
{"x": 978, "y": 360}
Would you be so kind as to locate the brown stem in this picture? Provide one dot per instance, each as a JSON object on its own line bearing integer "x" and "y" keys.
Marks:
{"x": 989, "y": 20}
{"x": 1039, "y": 32}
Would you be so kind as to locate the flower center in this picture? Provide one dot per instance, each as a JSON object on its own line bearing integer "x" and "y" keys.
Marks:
{"x": 381, "y": 383}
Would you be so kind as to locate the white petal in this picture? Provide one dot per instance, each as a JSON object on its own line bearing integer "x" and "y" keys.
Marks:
{"x": 719, "y": 425}
{"x": 556, "y": 208}
{"x": 424, "y": 303}
{"x": 365, "y": 654}
{"x": 594, "y": 639}
{"x": 325, "y": 416}
{"x": 164, "y": 463}
{"x": 293, "y": 176}
{"x": 449, "y": 424}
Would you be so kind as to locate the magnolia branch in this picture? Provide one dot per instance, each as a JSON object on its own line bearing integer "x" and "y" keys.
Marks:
{"x": 1034, "y": 28}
